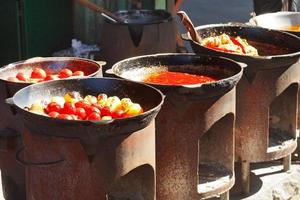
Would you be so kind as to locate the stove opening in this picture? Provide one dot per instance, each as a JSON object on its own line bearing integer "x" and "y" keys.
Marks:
{"x": 283, "y": 118}
{"x": 215, "y": 155}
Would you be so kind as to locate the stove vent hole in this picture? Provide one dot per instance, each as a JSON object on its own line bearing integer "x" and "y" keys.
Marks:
{"x": 283, "y": 117}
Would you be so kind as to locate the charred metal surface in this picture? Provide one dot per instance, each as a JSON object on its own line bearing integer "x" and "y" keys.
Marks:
{"x": 124, "y": 166}
{"x": 191, "y": 135}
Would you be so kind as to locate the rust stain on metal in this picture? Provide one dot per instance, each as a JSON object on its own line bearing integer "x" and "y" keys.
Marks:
{"x": 110, "y": 172}
{"x": 266, "y": 117}
{"x": 191, "y": 133}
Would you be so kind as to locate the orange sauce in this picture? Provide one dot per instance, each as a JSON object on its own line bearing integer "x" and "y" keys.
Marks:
{"x": 177, "y": 78}
{"x": 292, "y": 28}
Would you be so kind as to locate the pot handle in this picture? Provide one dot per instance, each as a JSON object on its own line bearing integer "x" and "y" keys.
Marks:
{"x": 36, "y": 164}
{"x": 9, "y": 101}
{"x": 101, "y": 63}
{"x": 110, "y": 71}
{"x": 12, "y": 105}
{"x": 243, "y": 65}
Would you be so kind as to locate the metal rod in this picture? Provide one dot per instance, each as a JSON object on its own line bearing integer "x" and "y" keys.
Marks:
{"x": 287, "y": 162}
{"x": 224, "y": 196}
{"x": 245, "y": 177}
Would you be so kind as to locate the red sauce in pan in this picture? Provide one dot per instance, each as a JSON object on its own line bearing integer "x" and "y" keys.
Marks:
{"x": 177, "y": 78}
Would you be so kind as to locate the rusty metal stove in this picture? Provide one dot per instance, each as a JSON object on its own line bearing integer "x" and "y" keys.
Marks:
{"x": 11, "y": 127}
{"x": 195, "y": 147}
{"x": 266, "y": 118}
{"x": 123, "y": 167}
{"x": 67, "y": 159}
{"x": 195, "y": 127}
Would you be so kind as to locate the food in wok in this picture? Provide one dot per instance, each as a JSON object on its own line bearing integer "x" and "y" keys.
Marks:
{"x": 177, "y": 78}
{"x": 39, "y": 75}
{"x": 72, "y": 106}
{"x": 229, "y": 44}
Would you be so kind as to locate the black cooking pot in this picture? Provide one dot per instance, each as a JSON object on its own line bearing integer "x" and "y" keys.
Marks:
{"x": 149, "y": 98}
{"x": 228, "y": 72}
{"x": 137, "y": 19}
{"x": 275, "y": 48}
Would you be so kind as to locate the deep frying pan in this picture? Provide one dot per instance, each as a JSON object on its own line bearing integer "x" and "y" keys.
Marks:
{"x": 149, "y": 98}
{"x": 137, "y": 68}
{"x": 276, "y": 48}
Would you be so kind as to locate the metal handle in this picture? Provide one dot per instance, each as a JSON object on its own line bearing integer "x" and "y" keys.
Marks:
{"x": 36, "y": 164}
{"x": 243, "y": 65}
{"x": 101, "y": 63}
{"x": 105, "y": 13}
{"x": 110, "y": 71}
{"x": 10, "y": 102}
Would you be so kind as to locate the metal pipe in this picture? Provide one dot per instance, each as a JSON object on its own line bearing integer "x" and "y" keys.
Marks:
{"x": 245, "y": 172}
{"x": 224, "y": 196}
{"x": 287, "y": 162}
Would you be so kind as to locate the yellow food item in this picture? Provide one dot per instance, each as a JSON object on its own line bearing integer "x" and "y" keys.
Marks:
{"x": 134, "y": 109}
{"x": 229, "y": 44}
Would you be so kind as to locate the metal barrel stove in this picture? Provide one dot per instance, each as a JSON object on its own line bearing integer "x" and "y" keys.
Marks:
{"x": 143, "y": 32}
{"x": 284, "y": 21}
{"x": 266, "y": 118}
{"x": 13, "y": 174}
{"x": 67, "y": 159}
{"x": 195, "y": 127}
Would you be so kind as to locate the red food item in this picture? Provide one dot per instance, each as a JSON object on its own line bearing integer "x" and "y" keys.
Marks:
{"x": 80, "y": 112}
{"x": 78, "y": 73}
{"x": 105, "y": 111}
{"x": 94, "y": 116}
{"x": 50, "y": 77}
{"x": 68, "y": 108}
{"x": 65, "y": 116}
{"x": 53, "y": 114}
{"x": 236, "y": 42}
{"x": 81, "y": 104}
{"x": 21, "y": 76}
{"x": 117, "y": 114}
{"x": 177, "y": 78}
{"x": 221, "y": 49}
{"x": 38, "y": 73}
{"x": 97, "y": 106}
{"x": 65, "y": 73}
{"x": 53, "y": 107}
{"x": 90, "y": 109}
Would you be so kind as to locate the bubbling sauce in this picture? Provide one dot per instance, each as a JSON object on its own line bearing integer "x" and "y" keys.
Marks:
{"x": 177, "y": 78}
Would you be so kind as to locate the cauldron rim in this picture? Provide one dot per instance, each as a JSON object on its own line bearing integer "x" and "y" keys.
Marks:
{"x": 167, "y": 18}
{"x": 186, "y": 36}
{"x": 46, "y": 59}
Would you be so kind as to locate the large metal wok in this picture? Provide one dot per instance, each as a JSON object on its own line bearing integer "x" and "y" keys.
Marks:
{"x": 150, "y": 99}
{"x": 275, "y": 48}
{"x": 278, "y": 21}
{"x": 227, "y": 71}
